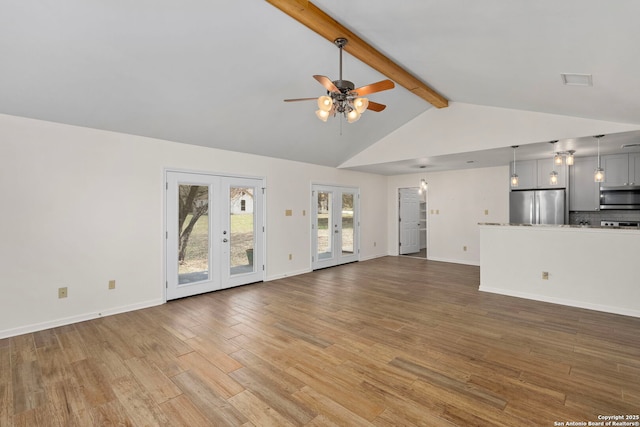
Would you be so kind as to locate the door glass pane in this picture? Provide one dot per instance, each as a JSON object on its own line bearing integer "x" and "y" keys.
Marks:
{"x": 324, "y": 226}
{"x": 242, "y": 229}
{"x": 193, "y": 227}
{"x": 347, "y": 223}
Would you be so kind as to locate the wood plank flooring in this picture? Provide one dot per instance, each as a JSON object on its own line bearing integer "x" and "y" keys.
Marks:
{"x": 387, "y": 342}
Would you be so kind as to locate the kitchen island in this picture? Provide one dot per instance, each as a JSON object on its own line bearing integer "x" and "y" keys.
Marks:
{"x": 590, "y": 267}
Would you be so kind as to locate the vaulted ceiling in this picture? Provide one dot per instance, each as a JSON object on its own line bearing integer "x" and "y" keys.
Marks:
{"x": 214, "y": 73}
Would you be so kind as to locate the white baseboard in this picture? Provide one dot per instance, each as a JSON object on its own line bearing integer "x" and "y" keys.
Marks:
{"x": 367, "y": 258}
{"x": 75, "y": 319}
{"x": 455, "y": 261}
{"x": 571, "y": 303}
{"x": 287, "y": 274}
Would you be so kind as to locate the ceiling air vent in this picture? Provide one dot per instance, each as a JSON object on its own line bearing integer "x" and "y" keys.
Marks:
{"x": 572, "y": 79}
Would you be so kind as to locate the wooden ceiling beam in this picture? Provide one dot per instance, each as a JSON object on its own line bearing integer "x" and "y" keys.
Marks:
{"x": 317, "y": 20}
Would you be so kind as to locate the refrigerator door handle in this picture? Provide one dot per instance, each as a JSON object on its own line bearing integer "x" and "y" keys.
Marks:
{"x": 536, "y": 203}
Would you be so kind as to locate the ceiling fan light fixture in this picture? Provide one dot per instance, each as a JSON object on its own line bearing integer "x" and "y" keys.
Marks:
{"x": 342, "y": 97}
{"x": 353, "y": 116}
{"x": 322, "y": 115}
{"x": 360, "y": 104}
{"x": 325, "y": 103}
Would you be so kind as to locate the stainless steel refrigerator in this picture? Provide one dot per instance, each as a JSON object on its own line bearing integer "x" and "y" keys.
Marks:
{"x": 537, "y": 207}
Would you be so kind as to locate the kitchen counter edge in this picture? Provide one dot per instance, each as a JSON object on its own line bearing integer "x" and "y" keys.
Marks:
{"x": 565, "y": 226}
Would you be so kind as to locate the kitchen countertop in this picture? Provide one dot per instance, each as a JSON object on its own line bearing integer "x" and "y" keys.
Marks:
{"x": 597, "y": 227}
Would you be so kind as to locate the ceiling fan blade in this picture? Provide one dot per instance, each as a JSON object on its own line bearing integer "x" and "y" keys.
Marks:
{"x": 327, "y": 83}
{"x": 374, "y": 106}
{"x": 374, "y": 87}
{"x": 300, "y": 99}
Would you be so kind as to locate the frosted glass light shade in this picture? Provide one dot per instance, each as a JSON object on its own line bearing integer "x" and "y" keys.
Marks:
{"x": 557, "y": 159}
{"x": 570, "y": 159}
{"x": 353, "y": 116}
{"x": 553, "y": 178}
{"x": 514, "y": 180}
{"x": 598, "y": 175}
{"x": 322, "y": 115}
{"x": 360, "y": 104}
{"x": 325, "y": 103}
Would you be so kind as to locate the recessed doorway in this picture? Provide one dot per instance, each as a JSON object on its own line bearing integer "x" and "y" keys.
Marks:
{"x": 412, "y": 222}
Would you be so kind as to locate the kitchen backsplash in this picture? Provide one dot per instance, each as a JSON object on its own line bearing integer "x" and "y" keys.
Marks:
{"x": 594, "y": 218}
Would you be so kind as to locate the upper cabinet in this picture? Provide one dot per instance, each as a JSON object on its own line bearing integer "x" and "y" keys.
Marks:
{"x": 536, "y": 174}
{"x": 621, "y": 169}
{"x": 584, "y": 194}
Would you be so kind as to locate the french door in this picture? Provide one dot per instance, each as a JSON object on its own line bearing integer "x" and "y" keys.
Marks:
{"x": 214, "y": 235}
{"x": 335, "y": 225}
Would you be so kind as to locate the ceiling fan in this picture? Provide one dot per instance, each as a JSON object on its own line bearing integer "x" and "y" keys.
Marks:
{"x": 343, "y": 98}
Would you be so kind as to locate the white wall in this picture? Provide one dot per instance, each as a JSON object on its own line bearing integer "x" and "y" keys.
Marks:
{"x": 460, "y": 198}
{"x": 592, "y": 268}
{"x": 83, "y": 206}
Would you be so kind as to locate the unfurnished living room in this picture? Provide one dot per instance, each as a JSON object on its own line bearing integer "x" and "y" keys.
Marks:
{"x": 286, "y": 213}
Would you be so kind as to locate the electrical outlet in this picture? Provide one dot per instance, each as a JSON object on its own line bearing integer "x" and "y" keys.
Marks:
{"x": 288, "y": 212}
{"x": 112, "y": 284}
{"x": 374, "y": 244}
{"x": 545, "y": 275}
{"x": 486, "y": 211}
{"x": 464, "y": 248}
{"x": 290, "y": 257}
{"x": 62, "y": 292}
{"x": 304, "y": 212}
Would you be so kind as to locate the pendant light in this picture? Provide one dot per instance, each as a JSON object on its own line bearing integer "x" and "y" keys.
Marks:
{"x": 423, "y": 186}
{"x": 598, "y": 175}
{"x": 557, "y": 159}
{"x": 553, "y": 176}
{"x": 514, "y": 175}
{"x": 570, "y": 157}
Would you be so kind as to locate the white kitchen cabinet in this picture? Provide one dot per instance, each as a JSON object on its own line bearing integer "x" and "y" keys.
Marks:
{"x": 584, "y": 194}
{"x": 621, "y": 169}
{"x": 634, "y": 168}
{"x": 423, "y": 225}
{"x": 545, "y": 167}
{"x": 527, "y": 171}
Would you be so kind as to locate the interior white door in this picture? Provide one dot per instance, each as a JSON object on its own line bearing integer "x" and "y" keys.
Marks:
{"x": 215, "y": 232}
{"x": 335, "y": 225}
{"x": 409, "y": 220}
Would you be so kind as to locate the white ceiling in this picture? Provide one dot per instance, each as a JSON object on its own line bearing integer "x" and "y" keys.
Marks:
{"x": 214, "y": 73}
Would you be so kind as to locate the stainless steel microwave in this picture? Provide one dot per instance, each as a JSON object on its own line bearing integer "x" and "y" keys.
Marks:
{"x": 623, "y": 197}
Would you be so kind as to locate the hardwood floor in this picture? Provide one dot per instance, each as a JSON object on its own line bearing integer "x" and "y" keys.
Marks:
{"x": 387, "y": 342}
